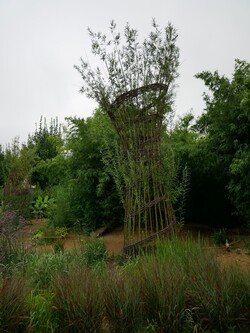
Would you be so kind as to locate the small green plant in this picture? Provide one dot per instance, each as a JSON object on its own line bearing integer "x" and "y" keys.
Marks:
{"x": 151, "y": 326}
{"x": 58, "y": 246}
{"x": 220, "y": 237}
{"x": 94, "y": 251}
{"x": 48, "y": 235}
{"x": 41, "y": 205}
{"x": 61, "y": 232}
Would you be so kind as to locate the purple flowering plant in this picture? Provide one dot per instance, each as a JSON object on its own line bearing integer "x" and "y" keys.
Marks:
{"x": 10, "y": 222}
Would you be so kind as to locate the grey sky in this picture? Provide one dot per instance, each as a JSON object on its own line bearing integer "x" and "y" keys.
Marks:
{"x": 41, "y": 40}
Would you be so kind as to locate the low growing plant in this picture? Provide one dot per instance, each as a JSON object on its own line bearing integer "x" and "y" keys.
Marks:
{"x": 58, "y": 246}
{"x": 42, "y": 267}
{"x": 44, "y": 235}
{"x": 220, "y": 237}
{"x": 94, "y": 251}
{"x": 220, "y": 297}
{"x": 41, "y": 205}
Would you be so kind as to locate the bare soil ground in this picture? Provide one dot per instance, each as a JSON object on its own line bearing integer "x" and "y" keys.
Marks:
{"x": 238, "y": 254}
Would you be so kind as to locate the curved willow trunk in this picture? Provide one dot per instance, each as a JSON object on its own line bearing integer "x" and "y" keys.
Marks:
{"x": 138, "y": 118}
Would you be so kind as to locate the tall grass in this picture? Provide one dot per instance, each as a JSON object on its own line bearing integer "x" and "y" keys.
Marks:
{"x": 180, "y": 287}
{"x": 42, "y": 314}
{"x": 13, "y": 310}
{"x": 42, "y": 267}
{"x": 163, "y": 295}
{"x": 220, "y": 297}
{"x": 207, "y": 295}
{"x": 123, "y": 302}
{"x": 78, "y": 302}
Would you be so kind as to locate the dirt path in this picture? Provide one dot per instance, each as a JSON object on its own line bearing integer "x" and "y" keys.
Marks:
{"x": 114, "y": 243}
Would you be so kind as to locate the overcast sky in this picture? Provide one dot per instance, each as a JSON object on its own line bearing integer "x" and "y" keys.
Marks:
{"x": 41, "y": 41}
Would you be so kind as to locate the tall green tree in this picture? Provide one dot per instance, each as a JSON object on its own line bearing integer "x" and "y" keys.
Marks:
{"x": 49, "y": 166}
{"x": 226, "y": 125}
{"x": 94, "y": 200}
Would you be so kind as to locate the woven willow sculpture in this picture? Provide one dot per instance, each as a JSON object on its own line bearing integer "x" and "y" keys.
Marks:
{"x": 136, "y": 91}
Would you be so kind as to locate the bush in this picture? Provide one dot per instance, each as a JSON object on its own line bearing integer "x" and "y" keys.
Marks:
{"x": 94, "y": 251}
{"x": 10, "y": 222}
{"x": 41, "y": 267}
{"x": 220, "y": 237}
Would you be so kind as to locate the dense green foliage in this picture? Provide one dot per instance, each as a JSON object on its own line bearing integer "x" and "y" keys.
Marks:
{"x": 216, "y": 149}
{"x": 77, "y": 172}
{"x": 94, "y": 199}
{"x": 227, "y": 123}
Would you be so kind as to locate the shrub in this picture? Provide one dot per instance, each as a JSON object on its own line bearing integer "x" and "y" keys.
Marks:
{"x": 220, "y": 237}
{"x": 94, "y": 251}
{"x": 18, "y": 200}
{"x": 10, "y": 222}
{"x": 78, "y": 302}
